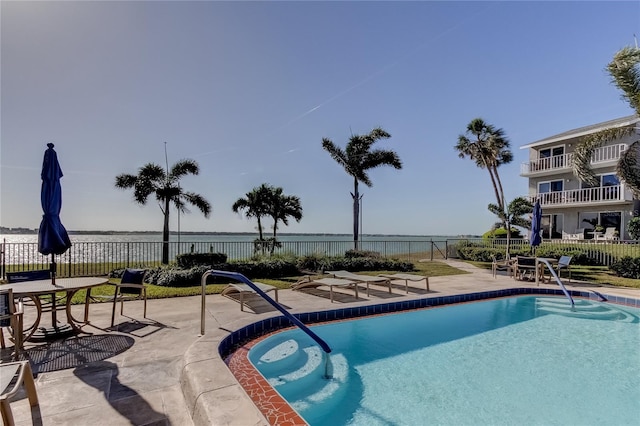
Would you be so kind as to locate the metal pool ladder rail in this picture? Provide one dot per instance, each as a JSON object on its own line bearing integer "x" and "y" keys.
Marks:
{"x": 558, "y": 280}
{"x": 239, "y": 277}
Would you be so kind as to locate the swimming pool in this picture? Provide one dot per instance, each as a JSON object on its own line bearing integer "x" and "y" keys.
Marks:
{"x": 515, "y": 360}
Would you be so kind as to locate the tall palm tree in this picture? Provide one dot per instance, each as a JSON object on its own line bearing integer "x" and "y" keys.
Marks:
{"x": 281, "y": 208}
{"x": 489, "y": 148}
{"x": 357, "y": 159}
{"x": 165, "y": 184}
{"x": 625, "y": 74}
{"x": 255, "y": 204}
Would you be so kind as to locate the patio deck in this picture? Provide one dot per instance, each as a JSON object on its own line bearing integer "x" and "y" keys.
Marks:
{"x": 159, "y": 371}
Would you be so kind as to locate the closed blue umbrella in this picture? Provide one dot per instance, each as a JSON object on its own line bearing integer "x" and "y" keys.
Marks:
{"x": 52, "y": 236}
{"x": 535, "y": 239}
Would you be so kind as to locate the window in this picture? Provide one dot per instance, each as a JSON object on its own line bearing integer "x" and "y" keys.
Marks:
{"x": 554, "y": 155}
{"x": 553, "y": 186}
{"x": 607, "y": 189}
{"x": 551, "y": 192}
{"x": 552, "y": 225}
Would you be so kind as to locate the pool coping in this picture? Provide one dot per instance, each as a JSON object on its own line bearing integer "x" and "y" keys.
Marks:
{"x": 225, "y": 400}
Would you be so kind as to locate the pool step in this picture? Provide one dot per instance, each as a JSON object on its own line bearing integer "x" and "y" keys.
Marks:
{"x": 582, "y": 309}
{"x": 302, "y": 370}
{"x": 329, "y": 392}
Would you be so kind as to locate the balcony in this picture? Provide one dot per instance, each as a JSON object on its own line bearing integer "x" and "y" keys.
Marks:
{"x": 603, "y": 156}
{"x": 583, "y": 197}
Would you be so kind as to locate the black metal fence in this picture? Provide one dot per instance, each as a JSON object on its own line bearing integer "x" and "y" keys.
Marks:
{"x": 100, "y": 258}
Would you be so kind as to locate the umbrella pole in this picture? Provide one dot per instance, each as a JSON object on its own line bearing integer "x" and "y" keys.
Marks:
{"x": 53, "y": 269}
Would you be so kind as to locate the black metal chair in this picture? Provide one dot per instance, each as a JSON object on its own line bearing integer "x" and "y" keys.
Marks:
{"x": 131, "y": 287}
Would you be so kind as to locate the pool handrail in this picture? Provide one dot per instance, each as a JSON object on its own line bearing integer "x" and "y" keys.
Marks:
{"x": 239, "y": 277}
{"x": 557, "y": 278}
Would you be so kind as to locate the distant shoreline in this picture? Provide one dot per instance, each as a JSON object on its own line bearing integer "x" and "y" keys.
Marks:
{"x": 26, "y": 231}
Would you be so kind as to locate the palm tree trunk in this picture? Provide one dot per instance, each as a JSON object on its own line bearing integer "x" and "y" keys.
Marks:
{"x": 356, "y": 213}
{"x": 165, "y": 233}
{"x": 500, "y": 191}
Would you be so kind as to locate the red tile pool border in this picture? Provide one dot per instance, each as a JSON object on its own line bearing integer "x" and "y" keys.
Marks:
{"x": 269, "y": 402}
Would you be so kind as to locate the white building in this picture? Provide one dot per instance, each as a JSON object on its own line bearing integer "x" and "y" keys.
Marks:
{"x": 570, "y": 207}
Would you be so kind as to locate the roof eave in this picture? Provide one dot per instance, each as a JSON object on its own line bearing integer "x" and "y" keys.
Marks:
{"x": 566, "y": 136}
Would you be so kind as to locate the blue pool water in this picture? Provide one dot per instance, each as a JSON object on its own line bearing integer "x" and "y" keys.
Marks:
{"x": 511, "y": 361}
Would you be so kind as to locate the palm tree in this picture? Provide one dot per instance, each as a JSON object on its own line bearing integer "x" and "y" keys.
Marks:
{"x": 165, "y": 184}
{"x": 489, "y": 148}
{"x": 358, "y": 158}
{"x": 281, "y": 207}
{"x": 625, "y": 74}
{"x": 255, "y": 204}
{"x": 512, "y": 215}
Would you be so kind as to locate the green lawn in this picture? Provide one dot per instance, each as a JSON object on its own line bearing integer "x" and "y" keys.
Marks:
{"x": 594, "y": 274}
{"x": 430, "y": 269}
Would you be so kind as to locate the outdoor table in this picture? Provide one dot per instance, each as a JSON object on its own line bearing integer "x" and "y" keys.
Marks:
{"x": 36, "y": 289}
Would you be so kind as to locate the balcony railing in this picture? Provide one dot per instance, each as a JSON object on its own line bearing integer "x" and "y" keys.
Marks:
{"x": 573, "y": 197}
{"x": 601, "y": 155}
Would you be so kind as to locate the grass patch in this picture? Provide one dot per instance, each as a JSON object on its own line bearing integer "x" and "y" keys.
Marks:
{"x": 429, "y": 269}
{"x": 600, "y": 275}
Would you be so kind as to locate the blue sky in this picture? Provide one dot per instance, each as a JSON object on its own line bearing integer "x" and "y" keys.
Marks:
{"x": 249, "y": 90}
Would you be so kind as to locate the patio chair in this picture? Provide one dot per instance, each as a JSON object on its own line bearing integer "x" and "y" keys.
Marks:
{"x": 564, "y": 263}
{"x": 525, "y": 268}
{"x": 18, "y": 277}
{"x": 243, "y": 289}
{"x": 610, "y": 234}
{"x": 12, "y": 376}
{"x": 11, "y": 318}
{"x": 365, "y": 279}
{"x": 508, "y": 265}
{"x": 131, "y": 287}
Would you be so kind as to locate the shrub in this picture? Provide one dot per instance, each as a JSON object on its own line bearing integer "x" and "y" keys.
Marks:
{"x": 354, "y": 264}
{"x": 501, "y": 233}
{"x": 189, "y": 260}
{"x": 627, "y": 267}
{"x": 634, "y": 228}
{"x": 350, "y": 254}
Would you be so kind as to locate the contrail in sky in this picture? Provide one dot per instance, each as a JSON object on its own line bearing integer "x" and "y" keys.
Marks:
{"x": 381, "y": 70}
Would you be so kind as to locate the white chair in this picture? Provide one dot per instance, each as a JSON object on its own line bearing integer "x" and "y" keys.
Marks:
{"x": 610, "y": 234}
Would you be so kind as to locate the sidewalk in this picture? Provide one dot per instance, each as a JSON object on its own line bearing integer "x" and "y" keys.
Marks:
{"x": 160, "y": 371}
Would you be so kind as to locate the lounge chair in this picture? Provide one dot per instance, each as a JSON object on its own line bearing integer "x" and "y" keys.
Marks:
{"x": 365, "y": 279}
{"x": 407, "y": 278}
{"x": 308, "y": 282}
{"x": 244, "y": 289}
{"x": 13, "y": 375}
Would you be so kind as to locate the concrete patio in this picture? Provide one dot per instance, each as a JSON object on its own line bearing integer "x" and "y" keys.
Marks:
{"x": 160, "y": 371}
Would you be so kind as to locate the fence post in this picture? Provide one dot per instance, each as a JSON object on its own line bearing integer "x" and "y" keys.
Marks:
{"x": 432, "y": 249}
{"x": 446, "y": 249}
